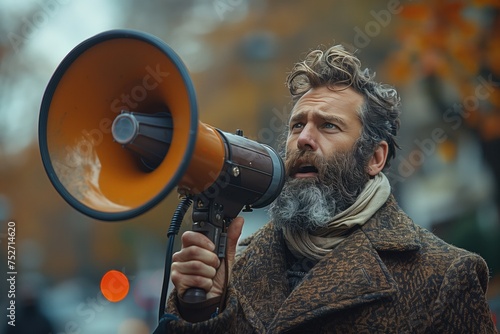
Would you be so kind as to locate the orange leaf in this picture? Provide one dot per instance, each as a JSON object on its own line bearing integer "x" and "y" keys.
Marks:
{"x": 493, "y": 55}
{"x": 494, "y": 3}
{"x": 495, "y": 97}
{"x": 491, "y": 126}
{"x": 450, "y": 10}
{"x": 448, "y": 150}
{"x": 467, "y": 29}
{"x": 415, "y": 12}
{"x": 466, "y": 57}
{"x": 399, "y": 67}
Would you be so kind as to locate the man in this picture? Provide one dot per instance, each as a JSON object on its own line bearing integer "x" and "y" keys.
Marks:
{"x": 339, "y": 255}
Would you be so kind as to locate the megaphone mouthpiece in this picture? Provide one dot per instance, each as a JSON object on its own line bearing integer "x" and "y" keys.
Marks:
{"x": 147, "y": 135}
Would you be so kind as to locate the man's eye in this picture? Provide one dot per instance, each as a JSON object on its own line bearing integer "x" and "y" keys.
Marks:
{"x": 297, "y": 126}
{"x": 330, "y": 126}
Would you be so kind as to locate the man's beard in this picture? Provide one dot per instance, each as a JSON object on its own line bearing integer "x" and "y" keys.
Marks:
{"x": 306, "y": 204}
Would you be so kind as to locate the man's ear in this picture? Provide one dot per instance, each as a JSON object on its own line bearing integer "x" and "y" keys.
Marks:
{"x": 377, "y": 161}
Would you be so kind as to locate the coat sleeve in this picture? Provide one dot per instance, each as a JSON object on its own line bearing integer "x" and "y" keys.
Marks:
{"x": 221, "y": 323}
{"x": 461, "y": 305}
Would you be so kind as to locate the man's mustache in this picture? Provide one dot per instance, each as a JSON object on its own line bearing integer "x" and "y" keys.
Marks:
{"x": 297, "y": 158}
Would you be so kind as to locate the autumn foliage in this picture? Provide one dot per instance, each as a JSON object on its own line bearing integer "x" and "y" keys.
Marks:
{"x": 458, "y": 44}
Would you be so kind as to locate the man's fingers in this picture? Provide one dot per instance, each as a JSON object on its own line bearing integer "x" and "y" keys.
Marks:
{"x": 194, "y": 268}
{"x": 196, "y": 264}
{"x": 195, "y": 253}
{"x": 184, "y": 282}
{"x": 191, "y": 238}
{"x": 192, "y": 274}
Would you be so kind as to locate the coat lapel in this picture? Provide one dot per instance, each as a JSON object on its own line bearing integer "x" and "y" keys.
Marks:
{"x": 351, "y": 275}
{"x": 259, "y": 277}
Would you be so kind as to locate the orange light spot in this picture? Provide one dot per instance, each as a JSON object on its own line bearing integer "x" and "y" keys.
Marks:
{"x": 114, "y": 286}
{"x": 448, "y": 150}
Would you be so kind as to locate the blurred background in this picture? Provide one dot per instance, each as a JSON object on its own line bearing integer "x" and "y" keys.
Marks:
{"x": 442, "y": 56}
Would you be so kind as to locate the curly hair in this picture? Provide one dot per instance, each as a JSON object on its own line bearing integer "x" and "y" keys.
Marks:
{"x": 336, "y": 69}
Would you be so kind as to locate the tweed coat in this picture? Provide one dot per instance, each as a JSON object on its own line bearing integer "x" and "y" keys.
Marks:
{"x": 388, "y": 276}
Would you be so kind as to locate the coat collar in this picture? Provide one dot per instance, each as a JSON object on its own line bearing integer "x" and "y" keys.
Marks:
{"x": 390, "y": 229}
{"x": 359, "y": 274}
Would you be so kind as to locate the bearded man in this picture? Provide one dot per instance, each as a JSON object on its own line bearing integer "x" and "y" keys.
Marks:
{"x": 339, "y": 255}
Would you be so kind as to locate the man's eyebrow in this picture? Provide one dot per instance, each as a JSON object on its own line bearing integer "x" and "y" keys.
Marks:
{"x": 334, "y": 119}
{"x": 325, "y": 116}
{"x": 297, "y": 116}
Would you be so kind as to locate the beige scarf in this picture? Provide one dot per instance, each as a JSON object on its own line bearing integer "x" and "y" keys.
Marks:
{"x": 314, "y": 245}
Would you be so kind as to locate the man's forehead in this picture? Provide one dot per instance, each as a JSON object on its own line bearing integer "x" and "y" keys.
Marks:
{"x": 314, "y": 112}
{"x": 326, "y": 102}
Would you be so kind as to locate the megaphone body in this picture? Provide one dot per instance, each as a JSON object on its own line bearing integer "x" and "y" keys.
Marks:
{"x": 119, "y": 130}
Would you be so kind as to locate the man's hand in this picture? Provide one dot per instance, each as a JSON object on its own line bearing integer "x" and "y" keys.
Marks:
{"x": 197, "y": 266}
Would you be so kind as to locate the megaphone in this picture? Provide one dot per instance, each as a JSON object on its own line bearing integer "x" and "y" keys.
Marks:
{"x": 119, "y": 130}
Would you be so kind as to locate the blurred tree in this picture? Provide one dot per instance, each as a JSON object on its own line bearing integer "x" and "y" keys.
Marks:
{"x": 455, "y": 44}
{"x": 17, "y": 74}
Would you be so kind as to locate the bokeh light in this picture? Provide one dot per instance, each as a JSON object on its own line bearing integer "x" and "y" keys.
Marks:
{"x": 114, "y": 286}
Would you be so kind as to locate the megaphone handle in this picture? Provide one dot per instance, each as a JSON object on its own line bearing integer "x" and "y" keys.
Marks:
{"x": 194, "y": 295}
{"x": 219, "y": 238}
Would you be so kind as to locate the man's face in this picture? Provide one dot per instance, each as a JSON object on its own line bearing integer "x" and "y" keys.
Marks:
{"x": 325, "y": 175}
{"x": 323, "y": 123}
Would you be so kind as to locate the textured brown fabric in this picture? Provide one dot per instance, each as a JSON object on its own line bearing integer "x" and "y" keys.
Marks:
{"x": 388, "y": 276}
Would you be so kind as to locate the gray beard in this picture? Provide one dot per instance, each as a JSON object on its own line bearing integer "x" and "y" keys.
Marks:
{"x": 311, "y": 203}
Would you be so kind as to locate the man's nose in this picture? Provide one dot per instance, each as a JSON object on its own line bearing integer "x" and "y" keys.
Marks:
{"x": 307, "y": 139}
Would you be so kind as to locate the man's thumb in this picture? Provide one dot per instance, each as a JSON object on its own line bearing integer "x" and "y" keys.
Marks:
{"x": 233, "y": 234}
